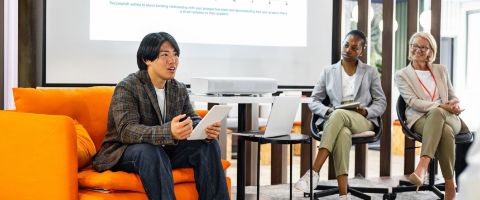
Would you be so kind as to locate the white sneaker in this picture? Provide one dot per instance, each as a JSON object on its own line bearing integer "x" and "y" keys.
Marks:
{"x": 304, "y": 183}
{"x": 345, "y": 197}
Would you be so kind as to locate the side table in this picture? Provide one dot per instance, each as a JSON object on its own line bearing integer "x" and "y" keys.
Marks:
{"x": 287, "y": 139}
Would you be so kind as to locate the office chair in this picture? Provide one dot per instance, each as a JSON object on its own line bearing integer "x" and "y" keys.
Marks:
{"x": 361, "y": 138}
{"x": 406, "y": 186}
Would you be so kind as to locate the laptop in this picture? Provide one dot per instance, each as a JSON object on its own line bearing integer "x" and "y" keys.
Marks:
{"x": 281, "y": 118}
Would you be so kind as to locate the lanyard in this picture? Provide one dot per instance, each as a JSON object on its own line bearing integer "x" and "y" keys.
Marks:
{"x": 425, "y": 88}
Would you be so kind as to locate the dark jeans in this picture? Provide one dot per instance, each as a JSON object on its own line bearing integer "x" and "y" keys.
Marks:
{"x": 154, "y": 165}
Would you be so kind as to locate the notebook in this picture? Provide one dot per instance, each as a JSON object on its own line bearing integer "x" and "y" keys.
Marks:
{"x": 216, "y": 114}
{"x": 348, "y": 106}
{"x": 281, "y": 118}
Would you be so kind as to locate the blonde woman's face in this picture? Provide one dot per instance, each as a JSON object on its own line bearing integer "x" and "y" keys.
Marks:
{"x": 420, "y": 50}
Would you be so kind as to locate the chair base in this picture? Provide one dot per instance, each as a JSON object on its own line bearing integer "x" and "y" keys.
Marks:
{"x": 406, "y": 186}
{"x": 354, "y": 191}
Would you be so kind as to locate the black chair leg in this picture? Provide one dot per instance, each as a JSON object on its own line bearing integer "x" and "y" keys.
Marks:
{"x": 324, "y": 193}
{"x": 327, "y": 190}
{"x": 404, "y": 183}
{"x": 437, "y": 192}
{"x": 359, "y": 194}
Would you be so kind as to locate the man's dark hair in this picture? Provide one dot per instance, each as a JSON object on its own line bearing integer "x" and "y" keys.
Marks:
{"x": 359, "y": 34}
{"x": 150, "y": 47}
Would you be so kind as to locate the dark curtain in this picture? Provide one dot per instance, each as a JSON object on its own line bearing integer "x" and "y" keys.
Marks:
{"x": 30, "y": 49}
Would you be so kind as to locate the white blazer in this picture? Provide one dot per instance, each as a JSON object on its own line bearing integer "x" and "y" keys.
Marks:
{"x": 418, "y": 101}
{"x": 368, "y": 91}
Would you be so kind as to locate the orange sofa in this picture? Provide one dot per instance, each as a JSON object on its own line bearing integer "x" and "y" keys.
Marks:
{"x": 38, "y": 148}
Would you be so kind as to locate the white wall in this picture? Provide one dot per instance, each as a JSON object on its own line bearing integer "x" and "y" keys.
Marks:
{"x": 10, "y": 51}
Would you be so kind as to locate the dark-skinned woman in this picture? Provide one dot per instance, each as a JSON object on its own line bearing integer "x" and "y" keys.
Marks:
{"x": 346, "y": 81}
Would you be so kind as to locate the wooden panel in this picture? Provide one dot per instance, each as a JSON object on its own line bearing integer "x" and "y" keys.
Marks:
{"x": 250, "y": 154}
{"x": 412, "y": 27}
{"x": 435, "y": 30}
{"x": 277, "y": 162}
{"x": 436, "y": 23}
{"x": 336, "y": 55}
{"x": 336, "y": 30}
{"x": 30, "y": 34}
{"x": 412, "y": 19}
{"x": 363, "y": 25}
{"x": 409, "y": 158}
{"x": 387, "y": 55}
{"x": 361, "y": 160}
{"x": 305, "y": 129}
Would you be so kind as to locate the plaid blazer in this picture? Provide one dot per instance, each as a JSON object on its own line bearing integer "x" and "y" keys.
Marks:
{"x": 134, "y": 117}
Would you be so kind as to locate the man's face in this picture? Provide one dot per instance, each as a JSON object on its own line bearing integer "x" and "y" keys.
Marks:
{"x": 165, "y": 65}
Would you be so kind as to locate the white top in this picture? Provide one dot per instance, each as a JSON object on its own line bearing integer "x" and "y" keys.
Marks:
{"x": 161, "y": 101}
{"x": 427, "y": 80}
{"x": 348, "y": 85}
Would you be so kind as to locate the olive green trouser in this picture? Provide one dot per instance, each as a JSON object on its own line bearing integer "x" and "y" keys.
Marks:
{"x": 337, "y": 136}
{"x": 438, "y": 128}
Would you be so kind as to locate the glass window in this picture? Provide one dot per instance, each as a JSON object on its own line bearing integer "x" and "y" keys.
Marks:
{"x": 473, "y": 30}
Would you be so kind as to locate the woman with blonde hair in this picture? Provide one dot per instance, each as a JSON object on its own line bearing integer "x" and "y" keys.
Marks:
{"x": 432, "y": 109}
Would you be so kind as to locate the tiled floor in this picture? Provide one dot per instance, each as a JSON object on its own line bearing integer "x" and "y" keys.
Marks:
{"x": 268, "y": 191}
{"x": 373, "y": 166}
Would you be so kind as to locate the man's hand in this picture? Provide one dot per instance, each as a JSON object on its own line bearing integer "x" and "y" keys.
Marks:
{"x": 181, "y": 130}
{"x": 213, "y": 130}
{"x": 362, "y": 111}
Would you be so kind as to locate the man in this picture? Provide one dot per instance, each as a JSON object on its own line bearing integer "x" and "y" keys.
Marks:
{"x": 149, "y": 120}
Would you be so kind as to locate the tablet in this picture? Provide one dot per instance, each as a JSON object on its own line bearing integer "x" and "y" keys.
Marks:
{"x": 216, "y": 114}
{"x": 348, "y": 106}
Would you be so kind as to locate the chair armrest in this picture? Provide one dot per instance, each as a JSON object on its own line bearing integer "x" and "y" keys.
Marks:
{"x": 39, "y": 159}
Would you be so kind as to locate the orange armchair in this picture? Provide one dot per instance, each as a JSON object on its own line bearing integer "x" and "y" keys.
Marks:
{"x": 39, "y": 149}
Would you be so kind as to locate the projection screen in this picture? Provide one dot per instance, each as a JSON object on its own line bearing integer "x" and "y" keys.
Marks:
{"x": 95, "y": 42}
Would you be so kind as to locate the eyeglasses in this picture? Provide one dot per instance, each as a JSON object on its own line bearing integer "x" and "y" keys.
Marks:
{"x": 166, "y": 55}
{"x": 418, "y": 47}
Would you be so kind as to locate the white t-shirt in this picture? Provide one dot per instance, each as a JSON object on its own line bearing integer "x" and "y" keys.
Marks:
{"x": 161, "y": 101}
{"x": 348, "y": 84}
{"x": 429, "y": 82}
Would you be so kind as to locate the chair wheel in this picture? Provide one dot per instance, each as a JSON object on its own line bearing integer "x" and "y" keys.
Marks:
{"x": 389, "y": 196}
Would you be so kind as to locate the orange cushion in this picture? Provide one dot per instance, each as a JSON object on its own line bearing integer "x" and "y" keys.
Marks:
{"x": 85, "y": 146}
{"x": 87, "y": 105}
{"x": 183, "y": 191}
{"x": 106, "y": 195}
{"x": 201, "y": 113}
{"x": 109, "y": 180}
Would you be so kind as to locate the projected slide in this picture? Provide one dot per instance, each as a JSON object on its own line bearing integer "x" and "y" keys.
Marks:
{"x": 230, "y": 22}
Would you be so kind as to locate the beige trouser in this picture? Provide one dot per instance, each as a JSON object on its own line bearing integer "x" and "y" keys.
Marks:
{"x": 337, "y": 136}
{"x": 438, "y": 128}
